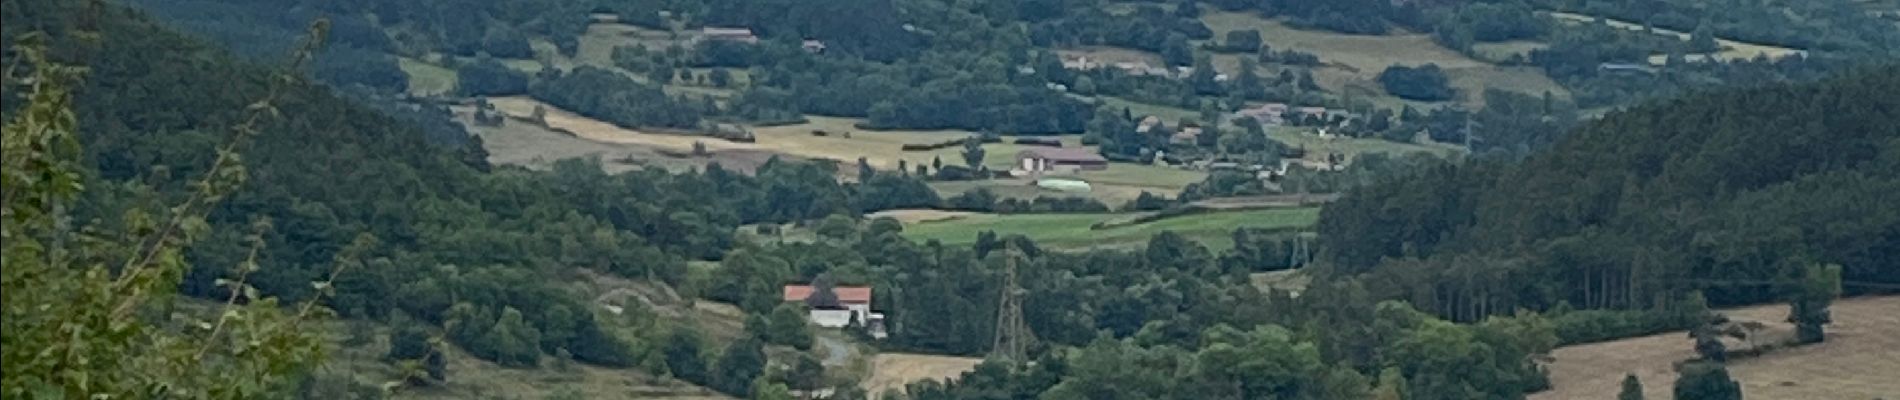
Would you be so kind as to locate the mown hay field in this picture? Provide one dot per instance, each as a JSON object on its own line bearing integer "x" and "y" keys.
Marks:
{"x": 1858, "y": 360}
{"x": 1355, "y": 61}
{"x": 1072, "y": 230}
{"x": 891, "y": 371}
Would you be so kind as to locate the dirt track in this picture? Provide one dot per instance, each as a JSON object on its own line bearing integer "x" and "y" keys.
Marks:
{"x": 894, "y": 370}
{"x": 1858, "y": 362}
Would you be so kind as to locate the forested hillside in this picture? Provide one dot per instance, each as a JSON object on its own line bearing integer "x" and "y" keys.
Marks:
{"x": 1729, "y": 193}
{"x": 435, "y": 232}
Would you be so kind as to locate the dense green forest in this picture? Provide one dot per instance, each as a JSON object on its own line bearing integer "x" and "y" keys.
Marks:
{"x": 1729, "y": 193}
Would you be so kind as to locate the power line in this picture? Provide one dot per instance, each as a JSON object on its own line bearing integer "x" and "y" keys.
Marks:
{"x": 1012, "y": 333}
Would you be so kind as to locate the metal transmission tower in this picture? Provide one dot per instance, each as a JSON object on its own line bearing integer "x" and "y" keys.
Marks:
{"x": 1012, "y": 334}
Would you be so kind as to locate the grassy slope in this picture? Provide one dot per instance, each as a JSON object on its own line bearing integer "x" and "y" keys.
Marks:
{"x": 426, "y": 78}
{"x": 1071, "y": 231}
{"x": 1731, "y": 50}
{"x": 1357, "y": 59}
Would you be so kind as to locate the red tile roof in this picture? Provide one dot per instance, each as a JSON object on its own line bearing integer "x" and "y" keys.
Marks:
{"x": 846, "y": 294}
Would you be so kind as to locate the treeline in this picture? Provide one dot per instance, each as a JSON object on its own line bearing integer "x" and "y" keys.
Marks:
{"x": 1147, "y": 27}
{"x": 1604, "y": 65}
{"x": 608, "y": 96}
{"x": 1726, "y": 193}
{"x": 1818, "y": 26}
{"x": 984, "y": 200}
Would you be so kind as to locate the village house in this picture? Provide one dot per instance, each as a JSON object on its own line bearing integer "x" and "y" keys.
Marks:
{"x": 742, "y": 35}
{"x": 1071, "y": 159}
{"x": 1078, "y": 63}
{"x": 1147, "y": 123}
{"x": 1185, "y": 135}
{"x": 1266, "y": 114}
{"x": 812, "y": 46}
{"x": 851, "y": 303}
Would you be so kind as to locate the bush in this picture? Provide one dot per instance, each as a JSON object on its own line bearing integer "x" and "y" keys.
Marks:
{"x": 488, "y": 77}
{"x": 1424, "y": 83}
{"x": 507, "y": 43}
{"x": 1588, "y": 326}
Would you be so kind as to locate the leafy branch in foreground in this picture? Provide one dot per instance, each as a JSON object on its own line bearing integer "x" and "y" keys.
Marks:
{"x": 78, "y": 327}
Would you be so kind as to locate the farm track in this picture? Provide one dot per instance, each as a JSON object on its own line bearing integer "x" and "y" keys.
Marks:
{"x": 894, "y": 370}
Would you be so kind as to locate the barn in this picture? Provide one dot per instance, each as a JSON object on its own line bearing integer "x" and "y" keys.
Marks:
{"x": 852, "y": 302}
{"x": 1042, "y": 159}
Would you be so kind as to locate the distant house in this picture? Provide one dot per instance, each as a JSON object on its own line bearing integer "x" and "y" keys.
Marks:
{"x": 1041, "y": 159}
{"x": 1078, "y": 63}
{"x": 812, "y": 46}
{"x": 853, "y": 303}
{"x": 1187, "y": 134}
{"x": 743, "y": 35}
{"x": 1140, "y": 69}
{"x": 1147, "y": 123}
{"x": 1266, "y": 114}
{"x": 1624, "y": 67}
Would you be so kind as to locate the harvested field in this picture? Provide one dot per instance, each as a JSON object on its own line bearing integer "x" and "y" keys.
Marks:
{"x": 1857, "y": 361}
{"x": 528, "y": 145}
{"x": 918, "y": 215}
{"x": 600, "y": 131}
{"x": 894, "y": 370}
{"x": 882, "y": 149}
{"x": 1363, "y": 53}
{"x": 1074, "y": 230}
{"x": 1356, "y": 60}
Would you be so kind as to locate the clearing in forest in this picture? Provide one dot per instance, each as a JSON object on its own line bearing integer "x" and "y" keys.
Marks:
{"x": 1731, "y": 49}
{"x": 427, "y": 79}
{"x": 912, "y": 216}
{"x": 1856, "y": 362}
{"x": 1355, "y": 61}
{"x": 1073, "y": 230}
{"x": 536, "y": 147}
{"x": 894, "y": 370}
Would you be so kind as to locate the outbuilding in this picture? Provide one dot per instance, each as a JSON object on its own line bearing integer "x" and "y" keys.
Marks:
{"x": 1043, "y": 159}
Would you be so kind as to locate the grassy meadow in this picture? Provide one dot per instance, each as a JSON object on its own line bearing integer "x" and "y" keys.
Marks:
{"x": 1071, "y": 231}
{"x": 1731, "y": 49}
{"x": 1355, "y": 61}
{"x": 426, "y": 78}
